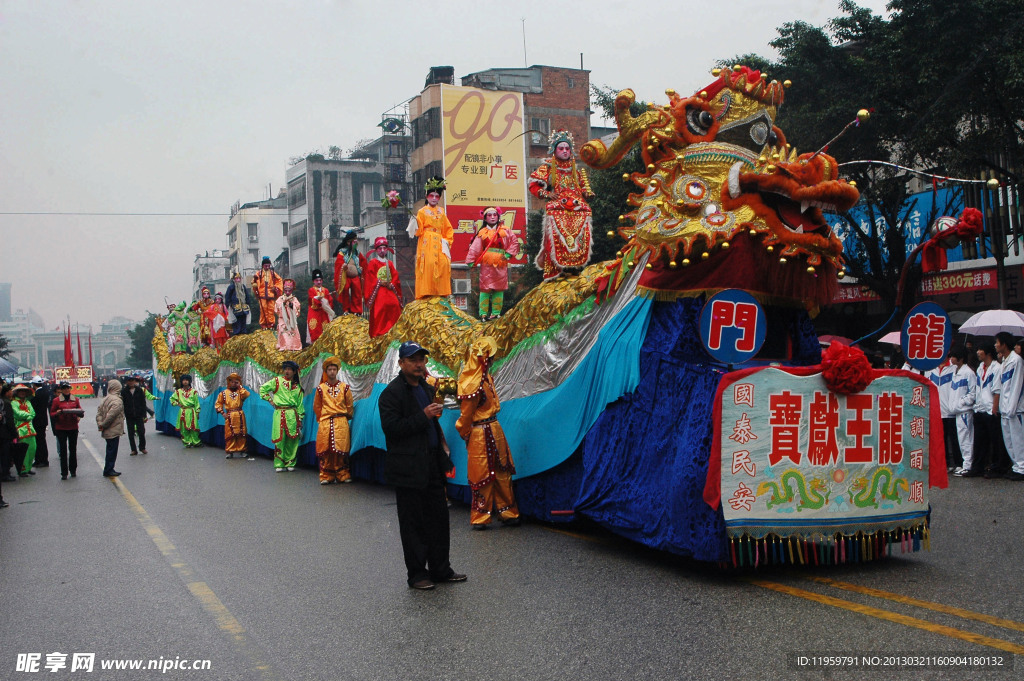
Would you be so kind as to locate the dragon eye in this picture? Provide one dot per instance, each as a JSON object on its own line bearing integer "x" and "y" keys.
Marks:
{"x": 773, "y": 139}
{"x": 699, "y": 121}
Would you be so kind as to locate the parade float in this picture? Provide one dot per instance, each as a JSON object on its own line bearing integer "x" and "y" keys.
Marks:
{"x": 676, "y": 395}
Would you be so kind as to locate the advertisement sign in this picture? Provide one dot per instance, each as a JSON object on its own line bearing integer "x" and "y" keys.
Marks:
{"x": 926, "y": 337}
{"x": 80, "y": 378}
{"x": 793, "y": 454}
{"x": 484, "y": 161}
{"x": 732, "y": 326}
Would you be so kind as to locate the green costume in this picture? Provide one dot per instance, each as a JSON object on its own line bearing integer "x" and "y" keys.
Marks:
{"x": 177, "y": 320}
{"x": 24, "y": 412}
{"x": 287, "y": 424}
{"x": 188, "y": 417}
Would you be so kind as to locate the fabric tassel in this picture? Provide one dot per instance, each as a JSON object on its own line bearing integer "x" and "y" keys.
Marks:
{"x": 732, "y": 549}
{"x": 790, "y": 546}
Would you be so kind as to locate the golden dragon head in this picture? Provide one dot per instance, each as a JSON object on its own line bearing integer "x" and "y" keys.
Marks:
{"x": 720, "y": 176}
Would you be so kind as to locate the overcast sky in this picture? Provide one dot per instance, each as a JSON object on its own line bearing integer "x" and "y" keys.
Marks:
{"x": 119, "y": 106}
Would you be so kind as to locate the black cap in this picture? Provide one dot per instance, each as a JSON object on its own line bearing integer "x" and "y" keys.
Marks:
{"x": 289, "y": 364}
{"x": 410, "y": 348}
{"x": 63, "y": 384}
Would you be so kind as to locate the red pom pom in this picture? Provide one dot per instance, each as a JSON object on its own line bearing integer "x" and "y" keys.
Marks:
{"x": 970, "y": 224}
{"x": 845, "y": 369}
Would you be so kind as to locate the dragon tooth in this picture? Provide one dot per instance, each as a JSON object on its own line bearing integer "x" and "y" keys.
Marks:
{"x": 734, "y": 179}
{"x": 804, "y": 205}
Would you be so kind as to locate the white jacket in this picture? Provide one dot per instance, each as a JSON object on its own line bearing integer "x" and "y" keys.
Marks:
{"x": 988, "y": 386}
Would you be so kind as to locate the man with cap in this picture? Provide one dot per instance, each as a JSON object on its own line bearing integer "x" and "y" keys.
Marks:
{"x": 187, "y": 400}
{"x": 24, "y": 414}
{"x": 136, "y": 413}
{"x": 237, "y": 301}
{"x": 332, "y": 404}
{"x": 382, "y": 289}
{"x": 416, "y": 464}
{"x": 320, "y": 311}
{"x": 267, "y": 286}
{"x": 41, "y": 398}
{"x": 349, "y": 264}
{"x": 229, "y": 405}
{"x": 65, "y": 412}
{"x": 285, "y": 393}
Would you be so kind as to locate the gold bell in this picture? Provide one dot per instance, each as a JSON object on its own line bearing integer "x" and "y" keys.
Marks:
{"x": 841, "y": 274}
{"x": 770, "y": 249}
{"x": 648, "y": 266}
{"x": 672, "y": 264}
{"x": 770, "y": 168}
{"x": 863, "y": 115}
{"x": 670, "y": 92}
{"x": 716, "y": 72}
{"x": 992, "y": 184}
{"x": 810, "y": 270}
{"x": 725, "y": 245}
{"x": 625, "y": 177}
{"x": 610, "y": 232}
{"x": 737, "y": 68}
{"x": 704, "y": 255}
{"x": 703, "y": 94}
{"x": 782, "y": 260}
{"x": 686, "y": 262}
{"x": 753, "y": 232}
{"x": 650, "y": 167}
{"x": 853, "y": 183}
{"x": 787, "y": 83}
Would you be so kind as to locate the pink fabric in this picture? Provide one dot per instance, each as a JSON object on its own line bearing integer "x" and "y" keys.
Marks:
{"x": 288, "y": 336}
{"x": 493, "y": 278}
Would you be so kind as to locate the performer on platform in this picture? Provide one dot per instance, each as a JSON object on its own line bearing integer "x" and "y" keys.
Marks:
{"x": 349, "y": 264}
{"x": 332, "y": 405}
{"x": 237, "y": 300}
{"x": 491, "y": 249}
{"x": 489, "y": 461}
{"x": 267, "y": 286}
{"x": 170, "y": 333}
{"x": 199, "y": 309}
{"x": 216, "y": 315}
{"x": 24, "y": 413}
{"x": 321, "y": 312}
{"x": 566, "y": 235}
{"x": 229, "y": 405}
{"x": 285, "y": 393}
{"x": 434, "y": 235}
{"x": 193, "y": 329}
{"x": 382, "y": 289}
{"x": 287, "y": 308}
{"x": 187, "y": 400}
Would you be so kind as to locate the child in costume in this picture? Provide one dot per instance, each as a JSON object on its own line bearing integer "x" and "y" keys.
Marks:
{"x": 199, "y": 308}
{"x": 187, "y": 400}
{"x": 382, "y": 289}
{"x": 349, "y": 264}
{"x": 216, "y": 318}
{"x": 434, "y": 235}
{"x": 287, "y": 308}
{"x": 332, "y": 405}
{"x": 24, "y": 413}
{"x": 566, "y": 235}
{"x": 285, "y": 393}
{"x": 320, "y": 311}
{"x": 266, "y": 286}
{"x": 229, "y": 405}
{"x": 492, "y": 247}
{"x": 489, "y": 461}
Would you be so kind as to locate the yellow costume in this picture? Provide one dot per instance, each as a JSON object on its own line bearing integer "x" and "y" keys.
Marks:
{"x": 332, "y": 405}
{"x": 267, "y": 286}
{"x": 229, "y": 403}
{"x": 434, "y": 236}
{"x": 489, "y": 462}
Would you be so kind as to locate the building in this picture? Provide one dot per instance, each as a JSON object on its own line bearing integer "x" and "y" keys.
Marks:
{"x": 326, "y": 198}
{"x": 5, "y": 302}
{"x": 212, "y": 269}
{"x": 256, "y": 229}
{"x": 110, "y": 347}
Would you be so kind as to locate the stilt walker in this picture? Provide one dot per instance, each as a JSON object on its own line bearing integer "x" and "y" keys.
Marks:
{"x": 434, "y": 237}
{"x": 229, "y": 405}
{"x": 285, "y": 393}
{"x": 187, "y": 400}
{"x": 332, "y": 405}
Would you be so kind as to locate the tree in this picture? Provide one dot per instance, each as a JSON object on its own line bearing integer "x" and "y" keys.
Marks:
{"x": 5, "y": 351}
{"x": 141, "y": 355}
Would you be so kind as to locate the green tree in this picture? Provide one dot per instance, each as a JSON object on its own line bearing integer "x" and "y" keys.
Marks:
{"x": 5, "y": 351}
{"x": 141, "y": 355}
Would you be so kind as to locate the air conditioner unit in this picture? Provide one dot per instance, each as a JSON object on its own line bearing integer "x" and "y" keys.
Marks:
{"x": 462, "y": 286}
{"x": 254, "y": 237}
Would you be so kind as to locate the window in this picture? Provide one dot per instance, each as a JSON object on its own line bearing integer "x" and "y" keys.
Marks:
{"x": 542, "y": 126}
{"x": 254, "y": 231}
{"x": 394, "y": 149}
{"x": 254, "y": 254}
{"x": 297, "y": 237}
{"x": 297, "y": 193}
{"x": 570, "y": 83}
{"x": 284, "y": 229}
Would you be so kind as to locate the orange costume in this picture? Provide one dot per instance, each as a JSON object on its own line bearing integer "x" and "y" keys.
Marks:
{"x": 332, "y": 405}
{"x": 216, "y": 322}
{"x": 200, "y": 307}
{"x": 489, "y": 461}
{"x": 320, "y": 312}
{"x": 229, "y": 403}
{"x": 434, "y": 236}
{"x": 267, "y": 286}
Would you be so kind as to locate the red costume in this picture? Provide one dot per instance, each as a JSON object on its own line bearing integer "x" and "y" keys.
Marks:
{"x": 349, "y": 266}
{"x": 382, "y": 289}
{"x": 320, "y": 313}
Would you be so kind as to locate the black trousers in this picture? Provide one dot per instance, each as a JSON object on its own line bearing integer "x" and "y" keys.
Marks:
{"x": 136, "y": 427}
{"x": 953, "y": 456}
{"x": 423, "y": 525}
{"x": 67, "y": 449}
{"x": 989, "y": 450}
{"x": 42, "y": 452}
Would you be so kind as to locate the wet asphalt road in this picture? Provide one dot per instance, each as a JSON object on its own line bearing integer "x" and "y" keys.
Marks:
{"x": 270, "y": 576}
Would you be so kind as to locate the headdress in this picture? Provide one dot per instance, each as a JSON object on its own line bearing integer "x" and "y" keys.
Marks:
{"x": 496, "y": 209}
{"x": 435, "y": 184}
{"x": 317, "y": 274}
{"x": 332, "y": 360}
{"x": 559, "y": 136}
{"x": 289, "y": 281}
{"x": 23, "y": 386}
{"x": 350, "y": 236}
{"x": 382, "y": 241}
{"x": 205, "y": 289}
{"x": 478, "y": 358}
{"x": 234, "y": 375}
{"x": 290, "y": 364}
{"x": 266, "y": 259}
{"x": 235, "y": 273}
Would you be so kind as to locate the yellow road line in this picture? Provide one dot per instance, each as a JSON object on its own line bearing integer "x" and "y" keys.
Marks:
{"x": 225, "y": 621}
{"x": 929, "y": 605}
{"x": 905, "y": 620}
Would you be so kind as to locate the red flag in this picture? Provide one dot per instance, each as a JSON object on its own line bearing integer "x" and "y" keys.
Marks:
{"x": 90, "y": 346}
{"x": 69, "y": 359}
{"x": 79, "y": 337}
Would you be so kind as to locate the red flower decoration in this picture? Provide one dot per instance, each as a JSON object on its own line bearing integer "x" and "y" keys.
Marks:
{"x": 845, "y": 369}
{"x": 970, "y": 224}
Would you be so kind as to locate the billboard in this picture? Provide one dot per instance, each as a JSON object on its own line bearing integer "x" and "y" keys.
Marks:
{"x": 484, "y": 161}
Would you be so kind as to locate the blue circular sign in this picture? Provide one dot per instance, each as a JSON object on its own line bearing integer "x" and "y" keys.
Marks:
{"x": 926, "y": 337}
{"x": 733, "y": 326}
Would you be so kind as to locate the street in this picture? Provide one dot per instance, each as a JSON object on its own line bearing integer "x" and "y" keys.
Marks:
{"x": 189, "y": 557}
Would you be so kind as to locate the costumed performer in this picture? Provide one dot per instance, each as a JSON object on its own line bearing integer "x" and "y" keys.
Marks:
{"x": 229, "y": 405}
{"x": 285, "y": 393}
{"x": 332, "y": 405}
{"x": 217, "y": 321}
{"x": 237, "y": 300}
{"x": 25, "y": 439}
{"x": 349, "y": 264}
{"x": 199, "y": 308}
{"x": 434, "y": 237}
{"x": 382, "y": 289}
{"x": 193, "y": 329}
{"x": 489, "y": 461}
{"x": 267, "y": 286}
{"x": 566, "y": 235}
{"x": 170, "y": 333}
{"x": 287, "y": 308}
{"x": 187, "y": 400}
{"x": 320, "y": 312}
{"x": 491, "y": 249}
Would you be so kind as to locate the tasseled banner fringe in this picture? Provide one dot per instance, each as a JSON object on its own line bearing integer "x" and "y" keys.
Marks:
{"x": 819, "y": 549}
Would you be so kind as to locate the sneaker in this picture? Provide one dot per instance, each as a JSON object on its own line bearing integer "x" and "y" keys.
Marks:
{"x": 291, "y": 468}
{"x": 279, "y": 470}
{"x": 229, "y": 456}
{"x": 455, "y": 577}
{"x": 252, "y": 458}
{"x": 970, "y": 474}
{"x": 325, "y": 482}
{"x": 1014, "y": 475}
{"x": 951, "y": 469}
{"x": 346, "y": 481}
{"x": 422, "y": 585}
{"x": 959, "y": 471}
{"x": 510, "y": 522}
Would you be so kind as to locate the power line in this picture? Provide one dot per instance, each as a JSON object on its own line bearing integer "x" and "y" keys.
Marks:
{"x": 70, "y": 213}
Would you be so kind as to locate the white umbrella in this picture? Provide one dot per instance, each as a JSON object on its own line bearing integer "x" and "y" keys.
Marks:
{"x": 991, "y": 322}
{"x": 893, "y": 338}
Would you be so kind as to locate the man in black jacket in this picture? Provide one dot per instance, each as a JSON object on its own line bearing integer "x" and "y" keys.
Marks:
{"x": 41, "y": 399}
{"x": 136, "y": 413}
{"x": 416, "y": 464}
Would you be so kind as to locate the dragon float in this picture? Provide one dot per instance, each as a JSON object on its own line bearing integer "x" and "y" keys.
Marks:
{"x": 613, "y": 408}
